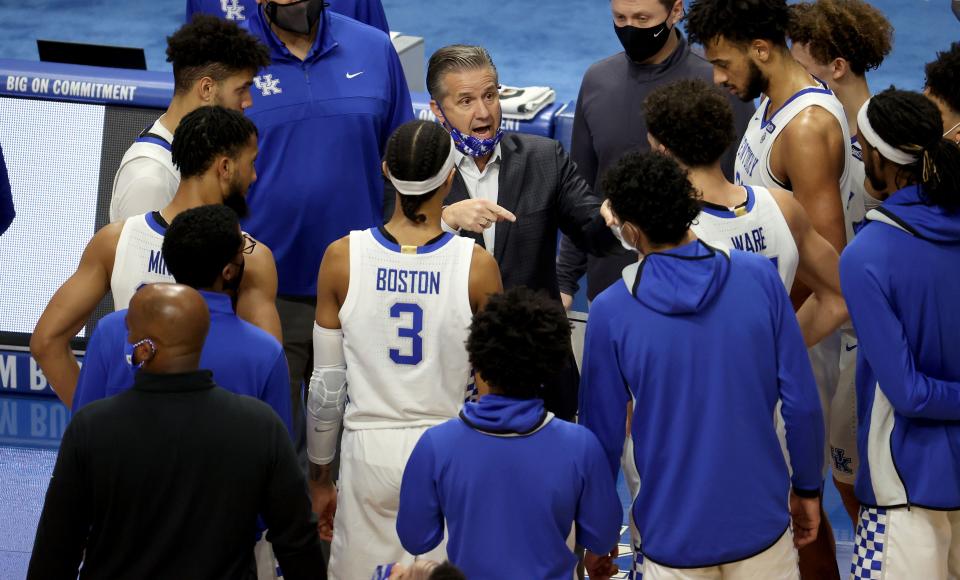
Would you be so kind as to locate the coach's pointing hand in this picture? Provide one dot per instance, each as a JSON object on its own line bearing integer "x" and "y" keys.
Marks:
{"x": 475, "y": 215}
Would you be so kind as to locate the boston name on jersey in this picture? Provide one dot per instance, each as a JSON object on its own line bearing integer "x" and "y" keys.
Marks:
{"x": 407, "y": 281}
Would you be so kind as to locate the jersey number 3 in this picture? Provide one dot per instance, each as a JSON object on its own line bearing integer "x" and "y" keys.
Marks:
{"x": 412, "y": 332}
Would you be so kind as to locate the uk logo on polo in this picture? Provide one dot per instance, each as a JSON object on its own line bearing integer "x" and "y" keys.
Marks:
{"x": 267, "y": 85}
{"x": 232, "y": 9}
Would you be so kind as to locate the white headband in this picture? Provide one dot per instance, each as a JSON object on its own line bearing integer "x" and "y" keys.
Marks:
{"x": 870, "y": 136}
{"x": 428, "y": 185}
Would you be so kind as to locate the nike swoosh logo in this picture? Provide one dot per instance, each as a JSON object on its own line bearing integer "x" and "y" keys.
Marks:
{"x": 849, "y": 348}
{"x": 658, "y": 34}
{"x": 354, "y": 75}
{"x": 319, "y": 430}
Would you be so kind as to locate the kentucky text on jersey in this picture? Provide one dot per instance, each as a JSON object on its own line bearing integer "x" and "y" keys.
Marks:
{"x": 750, "y": 242}
{"x": 747, "y": 159}
{"x": 156, "y": 264}
{"x": 408, "y": 281}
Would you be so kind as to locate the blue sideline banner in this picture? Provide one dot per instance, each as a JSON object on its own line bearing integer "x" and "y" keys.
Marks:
{"x": 85, "y": 84}
{"x": 32, "y": 422}
{"x": 20, "y": 374}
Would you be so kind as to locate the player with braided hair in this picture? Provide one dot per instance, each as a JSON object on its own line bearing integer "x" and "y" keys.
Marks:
{"x": 901, "y": 283}
{"x": 393, "y": 307}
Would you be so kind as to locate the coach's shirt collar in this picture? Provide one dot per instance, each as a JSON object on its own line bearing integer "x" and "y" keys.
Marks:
{"x": 199, "y": 380}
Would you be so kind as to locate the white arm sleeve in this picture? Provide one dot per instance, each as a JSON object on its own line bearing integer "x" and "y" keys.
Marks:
{"x": 328, "y": 394}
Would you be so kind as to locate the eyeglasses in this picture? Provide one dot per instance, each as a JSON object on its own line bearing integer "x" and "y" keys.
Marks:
{"x": 248, "y": 244}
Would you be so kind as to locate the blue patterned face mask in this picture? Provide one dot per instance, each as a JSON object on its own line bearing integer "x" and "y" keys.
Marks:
{"x": 468, "y": 144}
{"x": 129, "y": 351}
{"x": 382, "y": 572}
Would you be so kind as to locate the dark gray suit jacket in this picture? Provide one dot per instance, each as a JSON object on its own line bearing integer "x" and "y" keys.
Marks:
{"x": 541, "y": 186}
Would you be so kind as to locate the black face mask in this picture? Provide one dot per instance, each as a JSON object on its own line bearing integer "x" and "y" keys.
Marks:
{"x": 297, "y": 17}
{"x": 642, "y": 43}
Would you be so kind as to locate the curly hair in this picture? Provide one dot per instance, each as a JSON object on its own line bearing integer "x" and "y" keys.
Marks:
{"x": 205, "y": 133}
{"x": 652, "y": 192}
{"x": 738, "y": 21}
{"x": 199, "y": 243}
{"x": 416, "y": 152}
{"x": 447, "y": 571}
{"x": 675, "y": 115}
{"x": 849, "y": 29}
{"x": 910, "y": 122}
{"x": 943, "y": 76}
{"x": 518, "y": 341}
{"x": 210, "y": 47}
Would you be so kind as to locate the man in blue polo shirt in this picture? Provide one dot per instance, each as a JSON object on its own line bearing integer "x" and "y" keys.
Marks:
{"x": 366, "y": 11}
{"x": 324, "y": 108}
{"x": 203, "y": 248}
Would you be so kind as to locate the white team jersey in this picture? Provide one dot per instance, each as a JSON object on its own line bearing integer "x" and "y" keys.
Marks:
{"x": 146, "y": 179}
{"x": 139, "y": 259}
{"x": 854, "y": 209}
{"x": 405, "y": 322}
{"x": 756, "y": 226}
{"x": 753, "y": 157}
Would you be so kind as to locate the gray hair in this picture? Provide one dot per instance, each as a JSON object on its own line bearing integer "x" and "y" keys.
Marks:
{"x": 455, "y": 58}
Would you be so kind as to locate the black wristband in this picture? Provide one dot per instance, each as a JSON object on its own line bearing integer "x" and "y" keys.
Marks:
{"x": 806, "y": 493}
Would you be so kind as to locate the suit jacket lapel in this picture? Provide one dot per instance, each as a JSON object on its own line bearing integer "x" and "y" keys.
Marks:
{"x": 508, "y": 195}
{"x": 458, "y": 192}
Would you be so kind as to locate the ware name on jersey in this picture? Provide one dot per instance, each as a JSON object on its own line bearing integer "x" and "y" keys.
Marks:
{"x": 756, "y": 226}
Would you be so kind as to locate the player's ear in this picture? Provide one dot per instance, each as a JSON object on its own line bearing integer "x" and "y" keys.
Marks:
{"x": 759, "y": 50}
{"x": 224, "y": 167}
{"x": 206, "y": 89}
{"x": 840, "y": 66}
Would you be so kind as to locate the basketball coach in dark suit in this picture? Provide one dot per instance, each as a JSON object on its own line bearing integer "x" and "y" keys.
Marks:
{"x": 513, "y": 193}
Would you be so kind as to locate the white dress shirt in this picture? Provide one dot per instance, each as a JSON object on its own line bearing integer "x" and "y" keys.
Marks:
{"x": 482, "y": 184}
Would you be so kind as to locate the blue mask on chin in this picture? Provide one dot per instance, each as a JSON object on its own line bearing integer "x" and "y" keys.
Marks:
{"x": 129, "y": 353}
{"x": 468, "y": 144}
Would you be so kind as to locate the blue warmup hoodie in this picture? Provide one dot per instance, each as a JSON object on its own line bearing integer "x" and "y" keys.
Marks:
{"x": 901, "y": 280}
{"x": 323, "y": 123}
{"x": 509, "y": 479}
{"x": 705, "y": 343}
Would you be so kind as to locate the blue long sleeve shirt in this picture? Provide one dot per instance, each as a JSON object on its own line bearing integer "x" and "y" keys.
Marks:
{"x": 509, "y": 480}
{"x": 705, "y": 344}
{"x": 365, "y": 11}
{"x": 244, "y": 359}
{"x": 323, "y": 123}
{"x": 901, "y": 282}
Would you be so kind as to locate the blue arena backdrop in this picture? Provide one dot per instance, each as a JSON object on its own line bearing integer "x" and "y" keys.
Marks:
{"x": 64, "y": 129}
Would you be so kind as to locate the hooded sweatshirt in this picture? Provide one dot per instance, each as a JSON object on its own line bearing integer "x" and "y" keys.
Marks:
{"x": 901, "y": 281}
{"x": 705, "y": 343}
{"x": 509, "y": 480}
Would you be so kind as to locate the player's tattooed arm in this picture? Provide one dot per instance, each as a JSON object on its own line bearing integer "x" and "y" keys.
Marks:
{"x": 69, "y": 309}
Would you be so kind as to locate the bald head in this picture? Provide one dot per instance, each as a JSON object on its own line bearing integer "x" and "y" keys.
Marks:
{"x": 176, "y": 319}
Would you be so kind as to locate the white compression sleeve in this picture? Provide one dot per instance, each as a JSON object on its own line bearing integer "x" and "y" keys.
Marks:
{"x": 328, "y": 393}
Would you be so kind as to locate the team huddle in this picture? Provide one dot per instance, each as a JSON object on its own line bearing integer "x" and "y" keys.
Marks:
{"x": 783, "y": 303}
